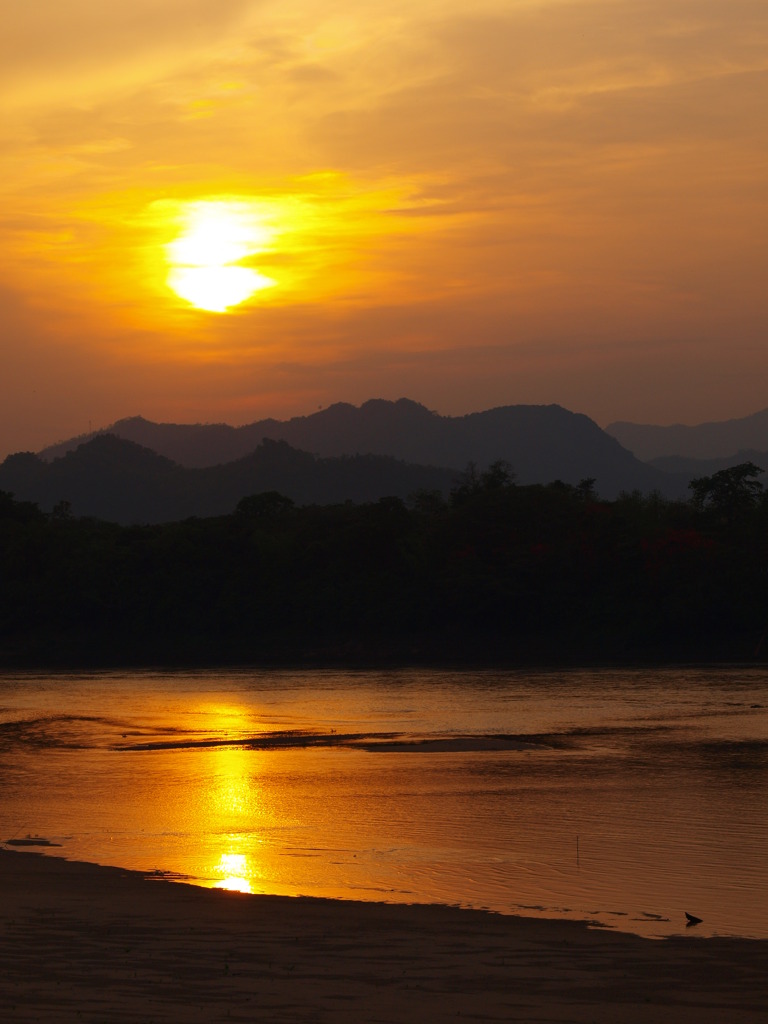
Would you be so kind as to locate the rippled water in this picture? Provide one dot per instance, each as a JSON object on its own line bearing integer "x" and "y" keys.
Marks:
{"x": 625, "y": 798}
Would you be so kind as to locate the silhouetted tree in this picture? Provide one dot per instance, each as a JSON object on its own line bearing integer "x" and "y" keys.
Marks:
{"x": 586, "y": 489}
{"x": 268, "y": 506}
{"x": 728, "y": 492}
{"x": 21, "y": 511}
{"x": 62, "y": 509}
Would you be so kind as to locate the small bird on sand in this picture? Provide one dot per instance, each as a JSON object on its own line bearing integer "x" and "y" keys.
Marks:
{"x": 691, "y": 919}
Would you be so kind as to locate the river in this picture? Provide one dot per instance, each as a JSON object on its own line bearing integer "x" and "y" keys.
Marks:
{"x": 621, "y": 797}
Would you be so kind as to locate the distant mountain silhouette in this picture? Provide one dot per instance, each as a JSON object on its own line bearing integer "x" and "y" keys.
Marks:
{"x": 705, "y": 441}
{"x": 542, "y": 443}
{"x": 118, "y": 480}
{"x": 688, "y": 467}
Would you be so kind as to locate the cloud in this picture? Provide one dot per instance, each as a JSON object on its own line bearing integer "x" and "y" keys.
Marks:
{"x": 486, "y": 179}
{"x": 542, "y": 80}
{"x": 49, "y": 41}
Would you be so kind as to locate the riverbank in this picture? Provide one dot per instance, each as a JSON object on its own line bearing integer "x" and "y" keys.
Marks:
{"x": 85, "y": 943}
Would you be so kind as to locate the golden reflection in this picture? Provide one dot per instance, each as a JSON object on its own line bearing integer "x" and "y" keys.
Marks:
{"x": 234, "y": 799}
{"x": 233, "y": 806}
{"x": 236, "y": 870}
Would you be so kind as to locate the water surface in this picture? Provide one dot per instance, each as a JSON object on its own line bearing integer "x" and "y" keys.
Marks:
{"x": 626, "y": 798}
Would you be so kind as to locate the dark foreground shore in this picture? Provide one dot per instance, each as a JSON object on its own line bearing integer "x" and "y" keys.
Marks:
{"x": 91, "y": 944}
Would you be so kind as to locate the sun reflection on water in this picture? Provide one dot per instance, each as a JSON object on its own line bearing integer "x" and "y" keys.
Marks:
{"x": 233, "y": 808}
{"x": 236, "y": 872}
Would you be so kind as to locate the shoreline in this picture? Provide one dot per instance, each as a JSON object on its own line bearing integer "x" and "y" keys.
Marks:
{"x": 81, "y": 942}
{"x": 58, "y": 666}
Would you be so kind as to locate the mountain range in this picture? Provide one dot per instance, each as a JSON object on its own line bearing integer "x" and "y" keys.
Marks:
{"x": 118, "y": 480}
{"x": 139, "y": 471}
{"x": 542, "y": 443}
{"x": 726, "y": 439}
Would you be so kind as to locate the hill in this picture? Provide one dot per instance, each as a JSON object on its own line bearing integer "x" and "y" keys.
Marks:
{"x": 715, "y": 440}
{"x": 120, "y": 481}
{"x": 684, "y": 465}
{"x": 542, "y": 443}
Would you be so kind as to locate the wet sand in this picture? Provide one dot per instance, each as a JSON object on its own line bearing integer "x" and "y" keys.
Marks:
{"x": 92, "y": 944}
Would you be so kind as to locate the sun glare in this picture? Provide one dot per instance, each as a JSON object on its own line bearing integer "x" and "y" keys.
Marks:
{"x": 206, "y": 259}
{"x": 234, "y": 867}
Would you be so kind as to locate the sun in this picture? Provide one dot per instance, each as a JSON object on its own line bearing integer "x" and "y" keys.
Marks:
{"x": 207, "y": 259}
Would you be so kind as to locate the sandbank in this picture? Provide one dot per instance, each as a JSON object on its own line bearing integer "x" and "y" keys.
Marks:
{"x": 85, "y": 943}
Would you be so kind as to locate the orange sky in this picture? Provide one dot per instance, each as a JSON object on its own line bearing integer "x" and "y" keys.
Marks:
{"x": 530, "y": 202}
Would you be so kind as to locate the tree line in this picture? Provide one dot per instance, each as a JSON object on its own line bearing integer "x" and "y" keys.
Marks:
{"x": 494, "y": 573}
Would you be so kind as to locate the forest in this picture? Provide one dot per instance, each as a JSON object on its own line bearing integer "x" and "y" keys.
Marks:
{"x": 493, "y": 574}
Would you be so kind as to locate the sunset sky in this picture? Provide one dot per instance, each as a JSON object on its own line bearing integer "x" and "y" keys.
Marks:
{"x": 469, "y": 205}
